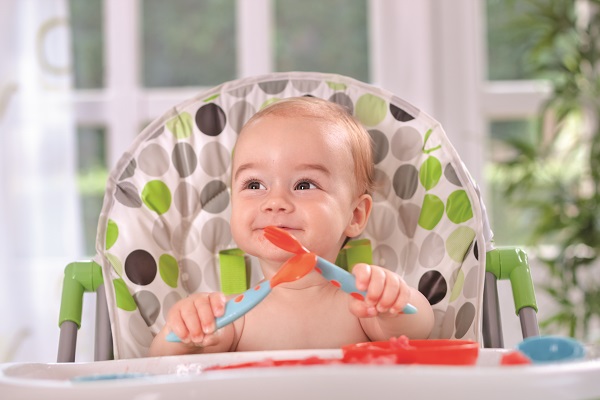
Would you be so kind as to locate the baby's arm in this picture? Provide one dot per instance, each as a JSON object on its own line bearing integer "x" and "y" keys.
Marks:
{"x": 193, "y": 320}
{"x": 381, "y": 312}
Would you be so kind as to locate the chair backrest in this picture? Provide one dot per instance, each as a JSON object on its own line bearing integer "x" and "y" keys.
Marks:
{"x": 166, "y": 210}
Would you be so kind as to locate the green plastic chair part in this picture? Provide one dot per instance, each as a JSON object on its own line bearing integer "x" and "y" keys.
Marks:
{"x": 80, "y": 277}
{"x": 234, "y": 273}
{"x": 511, "y": 263}
{"x": 354, "y": 252}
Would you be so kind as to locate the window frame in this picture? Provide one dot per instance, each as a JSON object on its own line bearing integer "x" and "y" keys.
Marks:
{"x": 447, "y": 62}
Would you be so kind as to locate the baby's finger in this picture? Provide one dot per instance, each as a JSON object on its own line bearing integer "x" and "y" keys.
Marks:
{"x": 360, "y": 309}
{"x": 390, "y": 294}
{"x": 376, "y": 286}
{"x": 217, "y": 303}
{"x": 362, "y": 273}
{"x": 177, "y": 325}
{"x": 189, "y": 315}
{"x": 403, "y": 298}
{"x": 206, "y": 315}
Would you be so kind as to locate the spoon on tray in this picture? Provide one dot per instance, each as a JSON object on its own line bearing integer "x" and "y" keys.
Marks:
{"x": 334, "y": 274}
{"x": 292, "y": 270}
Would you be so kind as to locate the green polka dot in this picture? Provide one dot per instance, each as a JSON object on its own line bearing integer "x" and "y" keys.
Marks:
{"x": 181, "y": 125}
{"x": 169, "y": 269}
{"x": 115, "y": 262}
{"x": 370, "y": 109}
{"x": 157, "y": 196}
{"x": 458, "y": 243}
{"x": 458, "y": 285}
{"x": 430, "y": 173}
{"x": 112, "y": 233}
{"x": 269, "y": 102}
{"x": 124, "y": 299}
{"x": 431, "y": 212}
{"x": 458, "y": 207}
{"x": 336, "y": 86}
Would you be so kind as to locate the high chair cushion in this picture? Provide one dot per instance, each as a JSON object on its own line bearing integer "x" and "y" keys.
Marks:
{"x": 166, "y": 210}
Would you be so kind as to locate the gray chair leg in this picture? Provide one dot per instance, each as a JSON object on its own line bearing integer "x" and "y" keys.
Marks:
{"x": 492, "y": 323}
{"x": 103, "y": 347}
{"x": 67, "y": 342}
{"x": 529, "y": 323}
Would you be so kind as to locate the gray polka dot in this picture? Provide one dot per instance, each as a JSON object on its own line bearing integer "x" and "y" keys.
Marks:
{"x": 127, "y": 194}
{"x": 158, "y": 132}
{"x": 464, "y": 319}
{"x": 408, "y": 217}
{"x": 130, "y": 169}
{"x": 450, "y": 174}
{"x": 381, "y": 223}
{"x": 214, "y": 197}
{"x": 273, "y": 87}
{"x": 139, "y": 330}
{"x": 305, "y": 85}
{"x": 148, "y": 305}
{"x": 187, "y": 200}
{"x": 343, "y": 100}
{"x": 471, "y": 285}
{"x": 407, "y": 143}
{"x": 184, "y": 159}
{"x": 447, "y": 328}
{"x": 383, "y": 186}
{"x": 432, "y": 251}
{"x": 216, "y": 235}
{"x": 385, "y": 256}
{"x": 211, "y": 279}
{"x": 381, "y": 145}
{"x": 241, "y": 91}
{"x": 436, "y": 332}
{"x": 408, "y": 258}
{"x": 191, "y": 275}
{"x": 161, "y": 234}
{"x": 185, "y": 238}
{"x": 214, "y": 159}
{"x": 154, "y": 160}
{"x": 169, "y": 301}
{"x": 239, "y": 114}
{"x": 406, "y": 181}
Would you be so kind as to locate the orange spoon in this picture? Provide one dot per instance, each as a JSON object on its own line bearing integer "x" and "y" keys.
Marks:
{"x": 292, "y": 270}
{"x": 284, "y": 240}
{"x": 334, "y": 274}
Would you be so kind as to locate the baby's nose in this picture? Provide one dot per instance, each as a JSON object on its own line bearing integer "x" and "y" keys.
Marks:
{"x": 278, "y": 201}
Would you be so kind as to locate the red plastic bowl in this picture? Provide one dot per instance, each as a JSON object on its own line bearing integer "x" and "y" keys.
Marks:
{"x": 431, "y": 351}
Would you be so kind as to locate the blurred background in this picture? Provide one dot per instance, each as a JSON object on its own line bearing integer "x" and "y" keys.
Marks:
{"x": 514, "y": 83}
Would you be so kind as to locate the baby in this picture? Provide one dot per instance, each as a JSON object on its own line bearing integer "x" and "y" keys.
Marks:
{"x": 305, "y": 165}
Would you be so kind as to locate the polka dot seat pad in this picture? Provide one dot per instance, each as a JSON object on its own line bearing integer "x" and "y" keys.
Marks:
{"x": 166, "y": 209}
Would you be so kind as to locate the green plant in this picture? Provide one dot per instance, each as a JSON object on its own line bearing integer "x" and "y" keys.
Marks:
{"x": 553, "y": 175}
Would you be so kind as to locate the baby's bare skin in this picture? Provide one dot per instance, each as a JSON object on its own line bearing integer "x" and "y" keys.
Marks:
{"x": 298, "y": 172}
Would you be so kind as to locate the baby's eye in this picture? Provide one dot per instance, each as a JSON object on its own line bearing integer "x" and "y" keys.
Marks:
{"x": 254, "y": 185}
{"x": 305, "y": 185}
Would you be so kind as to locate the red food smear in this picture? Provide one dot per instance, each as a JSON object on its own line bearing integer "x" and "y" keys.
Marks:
{"x": 515, "y": 358}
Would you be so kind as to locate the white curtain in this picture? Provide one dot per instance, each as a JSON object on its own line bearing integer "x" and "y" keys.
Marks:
{"x": 39, "y": 211}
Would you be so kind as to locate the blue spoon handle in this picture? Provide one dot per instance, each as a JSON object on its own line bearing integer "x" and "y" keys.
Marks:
{"x": 236, "y": 307}
{"x": 347, "y": 282}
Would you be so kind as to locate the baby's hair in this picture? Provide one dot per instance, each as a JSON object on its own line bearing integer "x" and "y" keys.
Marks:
{"x": 358, "y": 138}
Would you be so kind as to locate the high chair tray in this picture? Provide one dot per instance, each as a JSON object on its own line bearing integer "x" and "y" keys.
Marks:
{"x": 186, "y": 377}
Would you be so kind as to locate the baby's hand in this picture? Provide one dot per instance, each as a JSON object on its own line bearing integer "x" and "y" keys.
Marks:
{"x": 193, "y": 319}
{"x": 386, "y": 291}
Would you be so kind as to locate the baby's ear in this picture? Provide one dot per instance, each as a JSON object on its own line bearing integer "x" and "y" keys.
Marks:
{"x": 360, "y": 216}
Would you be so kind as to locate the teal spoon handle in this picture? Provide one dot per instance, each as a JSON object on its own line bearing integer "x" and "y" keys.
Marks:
{"x": 347, "y": 282}
{"x": 236, "y": 307}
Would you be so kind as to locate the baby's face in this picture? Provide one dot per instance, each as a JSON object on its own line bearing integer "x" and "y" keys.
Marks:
{"x": 294, "y": 173}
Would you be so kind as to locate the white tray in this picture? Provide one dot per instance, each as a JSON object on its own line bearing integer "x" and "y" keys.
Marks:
{"x": 182, "y": 377}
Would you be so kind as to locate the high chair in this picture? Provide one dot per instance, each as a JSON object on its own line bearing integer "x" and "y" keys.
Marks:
{"x": 164, "y": 232}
